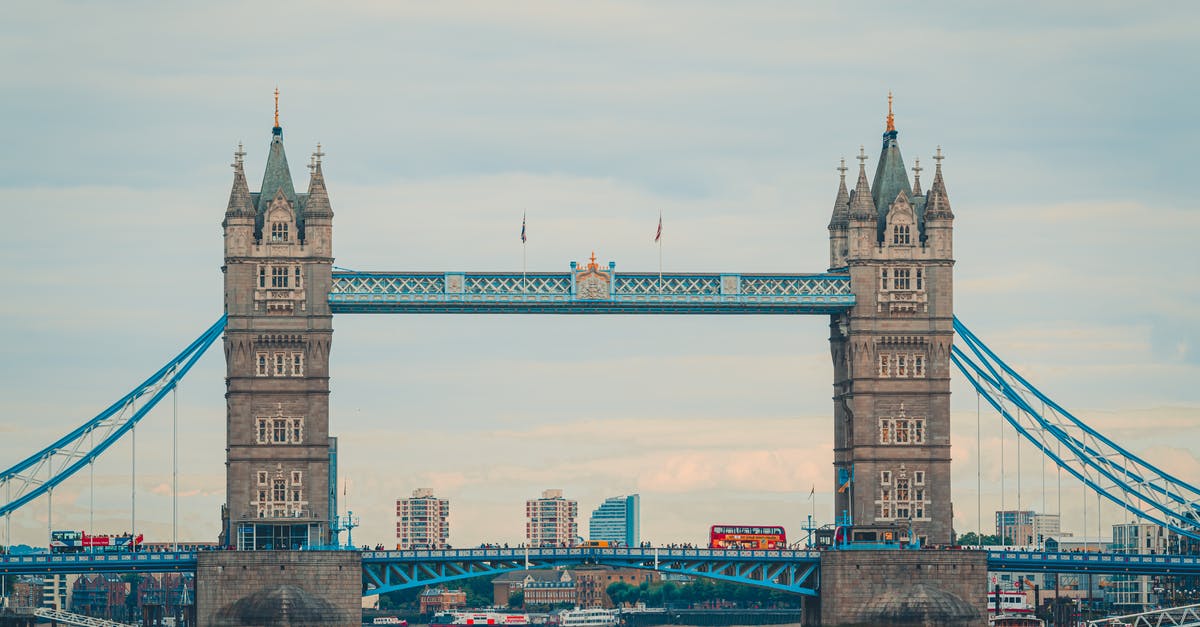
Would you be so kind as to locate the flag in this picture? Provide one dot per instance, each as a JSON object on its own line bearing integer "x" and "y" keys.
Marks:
{"x": 812, "y": 492}
{"x": 658, "y": 234}
{"x": 845, "y": 477}
{"x": 522, "y": 228}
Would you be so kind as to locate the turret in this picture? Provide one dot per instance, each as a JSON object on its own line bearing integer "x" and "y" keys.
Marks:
{"x": 239, "y": 215}
{"x": 863, "y": 219}
{"x": 318, "y": 214}
{"x": 839, "y": 224}
{"x": 939, "y": 219}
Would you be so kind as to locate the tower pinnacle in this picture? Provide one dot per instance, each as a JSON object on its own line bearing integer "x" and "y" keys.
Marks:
{"x": 277, "y": 107}
{"x": 239, "y": 157}
{"x": 891, "y": 118}
{"x": 861, "y": 205}
{"x": 917, "y": 177}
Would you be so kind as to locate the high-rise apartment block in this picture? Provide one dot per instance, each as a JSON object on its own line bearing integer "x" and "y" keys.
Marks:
{"x": 550, "y": 520}
{"x": 617, "y": 520}
{"x": 422, "y": 522}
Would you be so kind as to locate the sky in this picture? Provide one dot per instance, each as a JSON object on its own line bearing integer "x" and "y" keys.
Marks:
{"x": 1069, "y": 132}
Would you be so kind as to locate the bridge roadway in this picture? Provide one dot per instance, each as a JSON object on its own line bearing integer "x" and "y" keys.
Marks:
{"x": 791, "y": 571}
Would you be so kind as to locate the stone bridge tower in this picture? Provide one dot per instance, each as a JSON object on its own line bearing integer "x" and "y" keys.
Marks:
{"x": 891, "y": 353}
{"x": 278, "y": 264}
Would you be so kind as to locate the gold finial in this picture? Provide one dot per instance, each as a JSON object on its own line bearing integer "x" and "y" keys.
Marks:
{"x": 891, "y": 118}
{"x": 277, "y": 107}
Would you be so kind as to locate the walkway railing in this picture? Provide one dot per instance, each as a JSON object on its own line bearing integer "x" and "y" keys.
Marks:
{"x": 1182, "y": 616}
{"x": 76, "y": 619}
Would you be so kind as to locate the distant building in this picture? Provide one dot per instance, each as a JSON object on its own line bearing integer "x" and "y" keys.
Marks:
{"x": 56, "y": 591}
{"x": 546, "y": 594}
{"x": 1017, "y": 526}
{"x": 422, "y": 521}
{"x": 435, "y": 600}
{"x": 550, "y": 520}
{"x": 101, "y": 596}
{"x": 617, "y": 520}
{"x": 581, "y": 587}
{"x": 504, "y": 586}
{"x": 1136, "y": 593}
{"x": 1046, "y": 526}
{"x": 591, "y": 584}
{"x": 27, "y": 592}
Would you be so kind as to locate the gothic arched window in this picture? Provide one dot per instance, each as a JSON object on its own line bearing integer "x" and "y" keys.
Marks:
{"x": 279, "y": 232}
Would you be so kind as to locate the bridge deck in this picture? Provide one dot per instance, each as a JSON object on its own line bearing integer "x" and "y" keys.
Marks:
{"x": 396, "y": 569}
{"x": 574, "y": 293}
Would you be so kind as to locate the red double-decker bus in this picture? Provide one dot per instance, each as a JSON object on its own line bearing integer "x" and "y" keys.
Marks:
{"x": 746, "y": 537}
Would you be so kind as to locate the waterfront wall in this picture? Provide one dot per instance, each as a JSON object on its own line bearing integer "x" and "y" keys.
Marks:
{"x": 902, "y": 588}
{"x": 279, "y": 588}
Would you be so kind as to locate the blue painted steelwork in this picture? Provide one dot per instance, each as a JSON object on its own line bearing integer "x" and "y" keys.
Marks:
{"x": 38, "y": 474}
{"x": 76, "y": 563}
{"x": 589, "y": 290}
{"x": 1102, "y": 563}
{"x": 1115, "y": 473}
{"x": 788, "y": 571}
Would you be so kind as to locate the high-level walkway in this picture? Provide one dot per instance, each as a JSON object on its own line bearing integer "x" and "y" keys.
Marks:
{"x": 561, "y": 293}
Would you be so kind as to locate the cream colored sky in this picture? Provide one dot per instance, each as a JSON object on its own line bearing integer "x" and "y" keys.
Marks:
{"x": 1070, "y": 142}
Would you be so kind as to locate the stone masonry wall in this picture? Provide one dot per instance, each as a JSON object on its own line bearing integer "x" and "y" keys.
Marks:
{"x": 928, "y": 588}
{"x": 279, "y": 588}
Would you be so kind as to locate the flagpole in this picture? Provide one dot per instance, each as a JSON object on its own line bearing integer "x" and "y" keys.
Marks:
{"x": 812, "y": 517}
{"x": 524, "y": 257}
{"x": 659, "y": 239}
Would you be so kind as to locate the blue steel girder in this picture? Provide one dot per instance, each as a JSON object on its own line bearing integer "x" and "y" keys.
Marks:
{"x": 594, "y": 291}
{"x": 788, "y": 571}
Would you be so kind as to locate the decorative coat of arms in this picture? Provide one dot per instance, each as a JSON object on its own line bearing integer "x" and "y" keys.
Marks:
{"x": 592, "y": 283}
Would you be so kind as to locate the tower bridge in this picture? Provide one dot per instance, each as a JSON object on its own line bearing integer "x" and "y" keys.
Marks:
{"x": 887, "y": 292}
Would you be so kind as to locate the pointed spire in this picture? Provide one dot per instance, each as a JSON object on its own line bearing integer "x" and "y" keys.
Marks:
{"x": 841, "y": 205}
{"x": 917, "y": 177}
{"x": 239, "y": 196}
{"x": 861, "y": 205}
{"x": 890, "y": 175}
{"x": 937, "y": 203}
{"x": 276, "y": 177}
{"x": 318, "y": 197}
